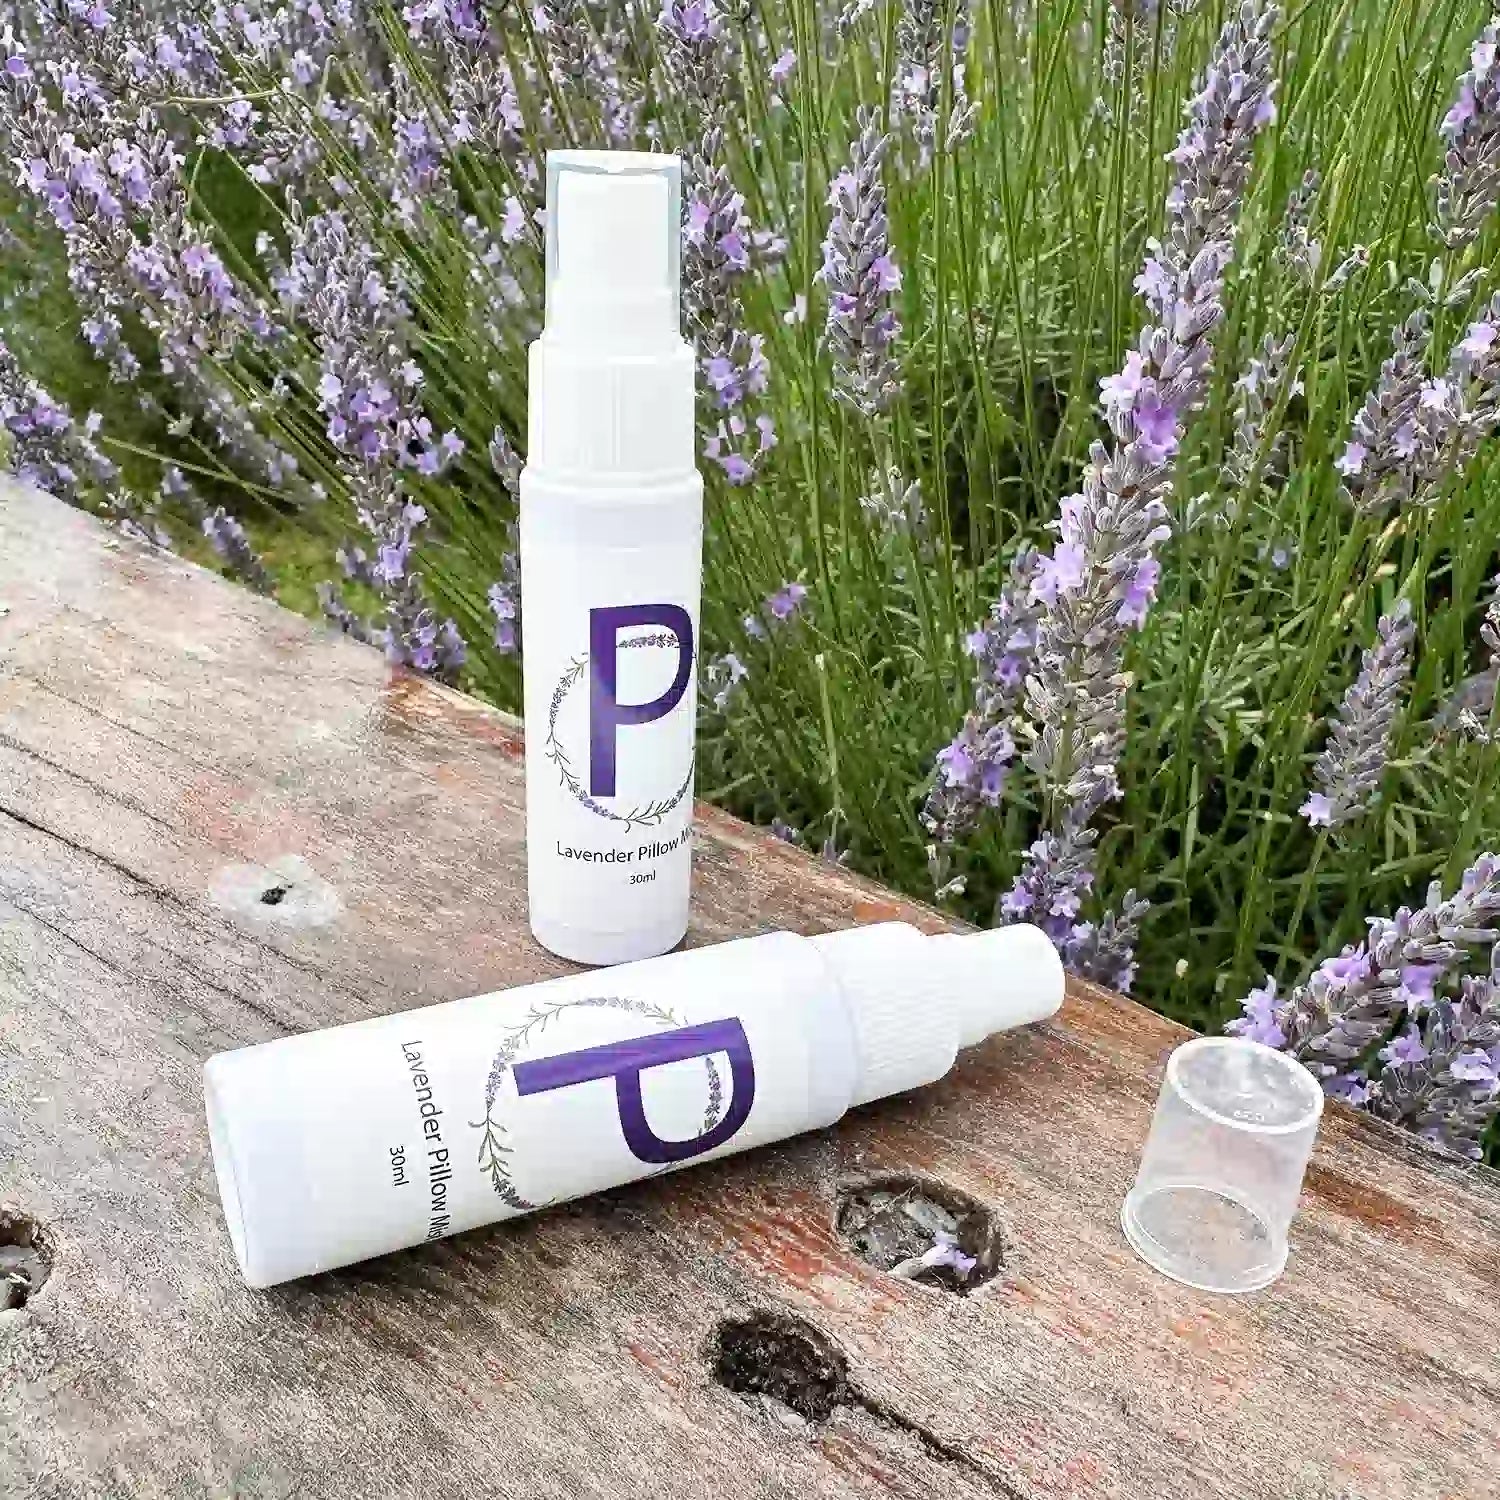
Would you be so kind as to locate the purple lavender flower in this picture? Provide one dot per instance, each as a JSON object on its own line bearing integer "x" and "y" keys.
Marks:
{"x": 567, "y": 36}
{"x": 1105, "y": 951}
{"x": 1455, "y": 413}
{"x": 1413, "y": 432}
{"x": 504, "y": 596}
{"x": 929, "y": 54}
{"x": 368, "y": 393}
{"x": 786, "y": 602}
{"x": 972, "y": 770}
{"x": 1351, "y": 1002}
{"x": 1296, "y": 248}
{"x": 49, "y": 449}
{"x": 1350, "y": 769}
{"x": 113, "y": 184}
{"x": 1468, "y": 187}
{"x": 1269, "y": 379}
{"x": 1259, "y": 1022}
{"x": 722, "y": 678}
{"x": 861, "y": 275}
{"x": 1444, "y": 1084}
{"x": 232, "y": 544}
{"x": 699, "y": 42}
{"x": 1405, "y": 1048}
{"x": 1098, "y": 582}
{"x": 1056, "y": 877}
{"x": 1375, "y": 471}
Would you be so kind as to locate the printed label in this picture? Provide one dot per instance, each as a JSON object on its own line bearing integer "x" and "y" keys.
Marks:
{"x": 610, "y": 687}
{"x": 509, "y": 1103}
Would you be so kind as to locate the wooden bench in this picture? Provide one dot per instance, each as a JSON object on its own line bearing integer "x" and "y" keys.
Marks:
{"x": 174, "y": 750}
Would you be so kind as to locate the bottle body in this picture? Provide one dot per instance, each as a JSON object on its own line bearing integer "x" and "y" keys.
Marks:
{"x": 611, "y": 560}
{"x": 610, "y": 576}
{"x": 340, "y": 1145}
{"x": 345, "y": 1144}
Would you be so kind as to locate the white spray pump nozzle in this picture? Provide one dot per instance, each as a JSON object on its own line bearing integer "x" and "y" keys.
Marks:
{"x": 614, "y": 224}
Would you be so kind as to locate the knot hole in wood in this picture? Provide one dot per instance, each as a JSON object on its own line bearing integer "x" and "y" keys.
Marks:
{"x": 784, "y": 1358}
{"x": 25, "y": 1258}
{"x": 921, "y": 1230}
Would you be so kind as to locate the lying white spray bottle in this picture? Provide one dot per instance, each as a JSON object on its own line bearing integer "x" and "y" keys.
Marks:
{"x": 343, "y": 1144}
{"x": 611, "y": 566}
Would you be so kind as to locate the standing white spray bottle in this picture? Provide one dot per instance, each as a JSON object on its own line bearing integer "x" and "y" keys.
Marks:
{"x": 611, "y": 567}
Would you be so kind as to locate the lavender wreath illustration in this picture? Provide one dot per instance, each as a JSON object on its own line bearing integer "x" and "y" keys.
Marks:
{"x": 653, "y": 812}
{"x": 494, "y": 1150}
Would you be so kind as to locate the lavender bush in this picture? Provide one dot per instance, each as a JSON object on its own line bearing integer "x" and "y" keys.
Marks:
{"x": 1096, "y": 403}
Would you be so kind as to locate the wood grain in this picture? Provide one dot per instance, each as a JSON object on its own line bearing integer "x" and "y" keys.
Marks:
{"x": 160, "y": 730}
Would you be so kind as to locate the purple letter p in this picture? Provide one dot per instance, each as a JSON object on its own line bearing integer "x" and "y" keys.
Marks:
{"x": 606, "y": 712}
{"x": 626, "y": 1061}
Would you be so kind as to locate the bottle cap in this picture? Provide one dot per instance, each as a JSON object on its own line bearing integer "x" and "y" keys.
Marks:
{"x": 914, "y": 1000}
{"x": 611, "y": 386}
{"x": 614, "y": 247}
{"x": 1222, "y": 1169}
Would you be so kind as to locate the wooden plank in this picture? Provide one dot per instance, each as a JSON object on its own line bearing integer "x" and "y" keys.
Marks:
{"x": 160, "y": 730}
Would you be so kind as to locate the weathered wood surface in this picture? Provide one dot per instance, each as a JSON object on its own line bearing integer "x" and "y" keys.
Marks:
{"x": 160, "y": 729}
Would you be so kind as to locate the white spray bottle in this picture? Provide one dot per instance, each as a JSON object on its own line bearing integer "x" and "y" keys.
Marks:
{"x": 343, "y": 1144}
{"x": 611, "y": 566}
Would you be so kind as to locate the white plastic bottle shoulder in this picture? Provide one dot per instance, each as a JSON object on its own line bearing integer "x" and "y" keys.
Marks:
{"x": 344, "y": 1144}
{"x": 611, "y": 566}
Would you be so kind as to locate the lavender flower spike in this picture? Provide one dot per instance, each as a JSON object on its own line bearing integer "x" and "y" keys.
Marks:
{"x": 927, "y": 52}
{"x": 368, "y": 392}
{"x": 861, "y": 275}
{"x": 1350, "y": 769}
{"x": 230, "y": 541}
{"x": 1105, "y": 952}
{"x": 972, "y": 770}
{"x": 1101, "y": 577}
{"x": 1350, "y": 1002}
{"x": 1476, "y": 696}
{"x": 1269, "y": 376}
{"x": 699, "y": 43}
{"x": 1445, "y": 1083}
{"x": 1375, "y": 465}
{"x": 47, "y": 448}
{"x": 1468, "y": 187}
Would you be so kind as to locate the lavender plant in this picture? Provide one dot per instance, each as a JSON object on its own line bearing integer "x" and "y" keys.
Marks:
{"x": 1334, "y": 1021}
{"x": 367, "y": 390}
{"x": 1350, "y": 769}
{"x": 1468, "y": 186}
{"x": 270, "y": 270}
{"x": 1101, "y": 579}
{"x": 861, "y": 274}
{"x": 930, "y": 52}
{"x": 1442, "y": 1078}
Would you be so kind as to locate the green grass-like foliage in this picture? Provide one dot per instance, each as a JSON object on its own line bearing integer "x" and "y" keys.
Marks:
{"x": 1018, "y": 248}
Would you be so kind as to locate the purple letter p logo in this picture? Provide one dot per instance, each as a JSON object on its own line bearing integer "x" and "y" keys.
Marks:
{"x": 606, "y": 712}
{"x": 626, "y": 1061}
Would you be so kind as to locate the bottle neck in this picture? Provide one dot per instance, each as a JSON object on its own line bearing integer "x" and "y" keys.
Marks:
{"x": 914, "y": 1000}
{"x": 596, "y": 412}
{"x": 905, "y": 1033}
{"x": 604, "y": 320}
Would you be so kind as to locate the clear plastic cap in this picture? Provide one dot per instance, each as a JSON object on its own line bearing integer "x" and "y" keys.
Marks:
{"x": 1222, "y": 1169}
{"x": 614, "y": 233}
